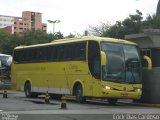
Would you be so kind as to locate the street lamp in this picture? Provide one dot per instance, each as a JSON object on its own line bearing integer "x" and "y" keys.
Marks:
{"x": 55, "y": 21}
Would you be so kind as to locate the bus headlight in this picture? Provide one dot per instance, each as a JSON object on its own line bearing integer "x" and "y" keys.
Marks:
{"x": 137, "y": 89}
{"x": 106, "y": 87}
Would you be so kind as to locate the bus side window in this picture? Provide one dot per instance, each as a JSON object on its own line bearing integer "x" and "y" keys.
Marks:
{"x": 22, "y": 56}
{"x": 78, "y": 50}
{"x": 81, "y": 51}
{"x": 25, "y": 57}
{"x": 94, "y": 58}
{"x": 70, "y": 52}
{"x": 66, "y": 52}
{"x": 43, "y": 53}
{"x": 16, "y": 56}
{"x": 30, "y": 55}
{"x": 52, "y": 49}
{"x": 60, "y": 52}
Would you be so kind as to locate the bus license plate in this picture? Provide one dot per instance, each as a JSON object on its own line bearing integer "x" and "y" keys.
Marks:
{"x": 124, "y": 94}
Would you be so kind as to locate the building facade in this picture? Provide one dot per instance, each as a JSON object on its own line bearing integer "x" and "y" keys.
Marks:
{"x": 7, "y": 22}
{"x": 28, "y": 21}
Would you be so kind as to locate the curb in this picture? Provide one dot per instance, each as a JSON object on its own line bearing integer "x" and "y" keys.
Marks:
{"x": 147, "y": 105}
{"x": 143, "y": 104}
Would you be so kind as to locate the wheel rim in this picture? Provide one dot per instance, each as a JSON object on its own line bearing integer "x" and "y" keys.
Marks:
{"x": 27, "y": 90}
{"x": 79, "y": 94}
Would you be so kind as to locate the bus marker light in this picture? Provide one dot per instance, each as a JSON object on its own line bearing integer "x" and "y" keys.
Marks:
{"x": 137, "y": 89}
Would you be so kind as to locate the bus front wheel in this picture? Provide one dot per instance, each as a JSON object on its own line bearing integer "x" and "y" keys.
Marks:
{"x": 79, "y": 94}
{"x": 112, "y": 101}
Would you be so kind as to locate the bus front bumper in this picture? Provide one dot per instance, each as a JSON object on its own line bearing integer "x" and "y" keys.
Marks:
{"x": 121, "y": 94}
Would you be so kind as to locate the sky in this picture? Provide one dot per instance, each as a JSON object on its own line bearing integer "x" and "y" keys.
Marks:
{"x": 77, "y": 15}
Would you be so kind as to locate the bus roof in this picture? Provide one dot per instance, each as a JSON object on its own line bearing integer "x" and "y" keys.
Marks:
{"x": 85, "y": 38}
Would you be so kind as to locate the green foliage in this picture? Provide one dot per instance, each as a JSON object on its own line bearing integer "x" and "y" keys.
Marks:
{"x": 8, "y": 41}
{"x": 39, "y": 37}
{"x": 152, "y": 22}
{"x": 3, "y": 38}
{"x": 130, "y": 25}
{"x": 115, "y": 31}
{"x": 100, "y": 29}
{"x": 133, "y": 24}
{"x": 10, "y": 44}
{"x": 70, "y": 36}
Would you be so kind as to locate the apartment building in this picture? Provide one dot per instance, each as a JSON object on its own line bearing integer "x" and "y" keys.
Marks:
{"x": 28, "y": 21}
{"x": 7, "y": 22}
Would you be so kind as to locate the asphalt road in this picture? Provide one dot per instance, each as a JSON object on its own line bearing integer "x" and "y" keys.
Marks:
{"x": 17, "y": 107}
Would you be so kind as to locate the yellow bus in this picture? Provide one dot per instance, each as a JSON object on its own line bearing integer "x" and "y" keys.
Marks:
{"x": 86, "y": 67}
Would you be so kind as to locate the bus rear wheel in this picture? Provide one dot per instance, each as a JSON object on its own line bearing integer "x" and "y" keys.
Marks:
{"x": 112, "y": 101}
{"x": 79, "y": 94}
{"x": 27, "y": 90}
{"x": 28, "y": 93}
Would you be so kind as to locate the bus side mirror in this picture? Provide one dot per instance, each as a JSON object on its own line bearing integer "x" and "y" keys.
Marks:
{"x": 149, "y": 61}
{"x": 0, "y": 63}
{"x": 103, "y": 59}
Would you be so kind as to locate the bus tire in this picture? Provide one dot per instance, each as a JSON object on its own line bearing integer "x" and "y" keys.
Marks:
{"x": 112, "y": 101}
{"x": 79, "y": 94}
{"x": 27, "y": 90}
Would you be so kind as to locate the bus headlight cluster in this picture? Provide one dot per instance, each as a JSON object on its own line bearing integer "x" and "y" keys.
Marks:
{"x": 137, "y": 89}
{"x": 107, "y": 87}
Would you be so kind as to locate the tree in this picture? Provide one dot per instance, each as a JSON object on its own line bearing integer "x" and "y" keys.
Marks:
{"x": 10, "y": 44}
{"x": 152, "y": 21}
{"x": 115, "y": 31}
{"x": 70, "y": 36}
{"x": 130, "y": 25}
{"x": 99, "y": 30}
{"x": 39, "y": 37}
{"x": 3, "y": 37}
{"x": 133, "y": 24}
{"x": 8, "y": 41}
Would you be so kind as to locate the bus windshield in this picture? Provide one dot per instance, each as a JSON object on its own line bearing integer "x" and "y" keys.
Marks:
{"x": 123, "y": 63}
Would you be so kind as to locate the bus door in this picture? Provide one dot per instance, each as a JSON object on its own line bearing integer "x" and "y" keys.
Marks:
{"x": 94, "y": 66}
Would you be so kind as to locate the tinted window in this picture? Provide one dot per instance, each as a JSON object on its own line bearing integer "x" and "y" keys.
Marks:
{"x": 71, "y": 51}
{"x": 94, "y": 58}
{"x": 114, "y": 71}
{"x": 123, "y": 63}
{"x": 132, "y": 64}
{"x": 60, "y": 52}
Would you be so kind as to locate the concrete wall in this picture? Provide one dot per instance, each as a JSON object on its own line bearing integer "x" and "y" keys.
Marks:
{"x": 143, "y": 42}
{"x": 156, "y": 40}
{"x": 151, "y": 79}
{"x": 151, "y": 86}
{"x": 154, "y": 35}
